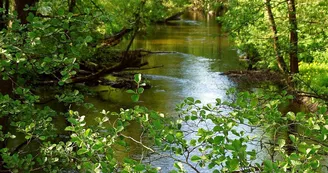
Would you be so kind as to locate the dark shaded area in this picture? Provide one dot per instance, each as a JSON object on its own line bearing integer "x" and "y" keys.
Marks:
{"x": 21, "y": 5}
{"x": 4, "y": 4}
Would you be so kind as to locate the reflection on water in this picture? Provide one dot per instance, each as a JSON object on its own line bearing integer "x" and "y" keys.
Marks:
{"x": 204, "y": 53}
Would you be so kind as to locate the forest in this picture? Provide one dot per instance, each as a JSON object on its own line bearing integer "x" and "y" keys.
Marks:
{"x": 163, "y": 86}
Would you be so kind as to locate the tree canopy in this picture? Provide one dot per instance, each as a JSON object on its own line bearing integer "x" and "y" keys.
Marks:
{"x": 51, "y": 46}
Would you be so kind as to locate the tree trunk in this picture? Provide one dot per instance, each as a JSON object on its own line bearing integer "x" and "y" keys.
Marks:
{"x": 71, "y": 6}
{"x": 293, "y": 52}
{"x": 280, "y": 60}
{"x": 20, "y": 5}
{"x": 135, "y": 31}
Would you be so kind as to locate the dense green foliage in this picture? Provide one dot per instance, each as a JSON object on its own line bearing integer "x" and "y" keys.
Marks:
{"x": 48, "y": 49}
{"x": 225, "y": 137}
{"x": 248, "y": 23}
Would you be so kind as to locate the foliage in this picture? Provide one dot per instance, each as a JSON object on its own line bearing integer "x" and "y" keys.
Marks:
{"x": 226, "y": 137}
{"x": 209, "y": 136}
{"x": 124, "y": 12}
{"x": 54, "y": 42}
{"x": 314, "y": 76}
{"x": 139, "y": 90}
{"x": 48, "y": 49}
{"x": 208, "y": 5}
{"x": 247, "y": 22}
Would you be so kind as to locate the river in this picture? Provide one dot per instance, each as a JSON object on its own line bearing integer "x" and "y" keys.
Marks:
{"x": 203, "y": 53}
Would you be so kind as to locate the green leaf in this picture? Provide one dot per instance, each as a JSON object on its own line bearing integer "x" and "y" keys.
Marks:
{"x": 326, "y": 127}
{"x": 190, "y": 99}
{"x": 32, "y": 34}
{"x": 99, "y": 145}
{"x": 291, "y": 116}
{"x": 42, "y": 138}
{"x": 302, "y": 147}
{"x": 141, "y": 90}
{"x": 87, "y": 133}
{"x": 170, "y": 138}
{"x": 315, "y": 164}
{"x": 131, "y": 92}
{"x": 72, "y": 120}
{"x": 281, "y": 143}
{"x": 179, "y": 135}
{"x": 139, "y": 167}
{"x": 135, "y": 97}
{"x": 218, "y": 139}
{"x": 195, "y": 158}
{"x": 28, "y": 136}
{"x": 137, "y": 78}
{"x": 193, "y": 142}
{"x": 233, "y": 165}
{"x": 322, "y": 110}
{"x": 82, "y": 151}
{"x": 268, "y": 165}
{"x": 88, "y": 39}
{"x": 61, "y": 11}
{"x": 292, "y": 138}
{"x": 178, "y": 165}
{"x": 32, "y": 125}
{"x": 120, "y": 128}
{"x": 218, "y": 101}
{"x": 316, "y": 127}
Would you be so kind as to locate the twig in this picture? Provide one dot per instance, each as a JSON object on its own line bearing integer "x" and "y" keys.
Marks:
{"x": 138, "y": 142}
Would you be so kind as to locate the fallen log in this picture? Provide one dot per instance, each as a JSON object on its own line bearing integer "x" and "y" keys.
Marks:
{"x": 115, "y": 39}
{"x": 90, "y": 70}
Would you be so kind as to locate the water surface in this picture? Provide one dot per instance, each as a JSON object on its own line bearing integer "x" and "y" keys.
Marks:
{"x": 203, "y": 53}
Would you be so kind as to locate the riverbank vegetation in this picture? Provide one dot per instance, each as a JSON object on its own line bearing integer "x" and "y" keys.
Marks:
{"x": 63, "y": 46}
{"x": 286, "y": 36}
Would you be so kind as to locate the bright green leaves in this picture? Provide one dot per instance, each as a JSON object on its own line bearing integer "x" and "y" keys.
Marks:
{"x": 219, "y": 136}
{"x": 206, "y": 136}
{"x": 281, "y": 143}
{"x": 50, "y": 48}
{"x": 269, "y": 166}
{"x": 139, "y": 90}
{"x": 137, "y": 78}
{"x": 232, "y": 165}
{"x": 135, "y": 97}
{"x": 82, "y": 151}
{"x": 179, "y": 166}
{"x": 110, "y": 132}
{"x": 195, "y": 158}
